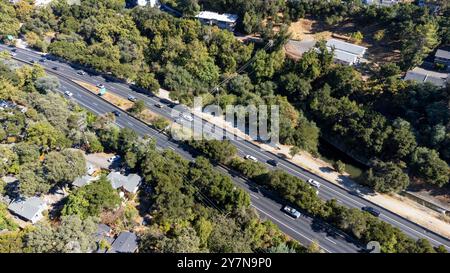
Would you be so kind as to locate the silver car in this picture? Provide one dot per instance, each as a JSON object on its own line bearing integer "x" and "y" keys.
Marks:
{"x": 291, "y": 212}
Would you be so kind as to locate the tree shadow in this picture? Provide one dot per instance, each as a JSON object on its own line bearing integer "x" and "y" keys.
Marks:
{"x": 330, "y": 231}
{"x": 326, "y": 169}
{"x": 354, "y": 187}
{"x": 12, "y": 190}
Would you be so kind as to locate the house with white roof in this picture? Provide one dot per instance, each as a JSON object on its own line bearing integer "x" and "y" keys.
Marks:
{"x": 223, "y": 21}
{"x": 29, "y": 209}
{"x": 128, "y": 183}
{"x": 420, "y": 75}
{"x": 346, "y": 53}
{"x": 385, "y": 3}
{"x": 83, "y": 181}
{"x": 143, "y": 3}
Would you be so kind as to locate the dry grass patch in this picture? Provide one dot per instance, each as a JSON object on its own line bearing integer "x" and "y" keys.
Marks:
{"x": 118, "y": 101}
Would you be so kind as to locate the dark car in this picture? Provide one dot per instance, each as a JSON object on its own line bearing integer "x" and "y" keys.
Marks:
{"x": 159, "y": 105}
{"x": 32, "y": 61}
{"x": 291, "y": 212}
{"x": 116, "y": 113}
{"x": 356, "y": 192}
{"x": 371, "y": 210}
{"x": 42, "y": 60}
{"x": 272, "y": 162}
{"x": 55, "y": 68}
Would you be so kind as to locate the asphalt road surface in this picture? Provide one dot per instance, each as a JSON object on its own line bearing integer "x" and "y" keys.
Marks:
{"x": 303, "y": 229}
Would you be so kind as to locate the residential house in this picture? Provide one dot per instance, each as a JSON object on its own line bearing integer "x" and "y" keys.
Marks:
{"x": 29, "y": 209}
{"x": 126, "y": 242}
{"x": 346, "y": 53}
{"x": 86, "y": 179}
{"x": 128, "y": 183}
{"x": 143, "y": 3}
{"x": 384, "y": 3}
{"x": 423, "y": 76}
{"x": 442, "y": 57}
{"x": 36, "y": 2}
{"x": 83, "y": 181}
{"x": 103, "y": 235}
{"x": 223, "y": 21}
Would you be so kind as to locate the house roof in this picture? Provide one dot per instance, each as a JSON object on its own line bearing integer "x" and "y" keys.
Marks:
{"x": 129, "y": 183}
{"x": 424, "y": 77}
{"x": 436, "y": 81}
{"x": 226, "y": 17}
{"x": 347, "y": 47}
{"x": 133, "y": 182}
{"x": 117, "y": 179}
{"x": 27, "y": 208}
{"x": 82, "y": 180}
{"x": 103, "y": 233}
{"x": 414, "y": 76}
{"x": 443, "y": 54}
{"x": 344, "y": 56}
{"x": 126, "y": 242}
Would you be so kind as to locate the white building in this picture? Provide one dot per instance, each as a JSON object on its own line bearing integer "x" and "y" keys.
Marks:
{"x": 223, "y": 21}
{"x": 128, "y": 183}
{"x": 143, "y": 3}
{"x": 420, "y": 75}
{"x": 28, "y": 209}
{"x": 385, "y": 3}
{"x": 346, "y": 53}
{"x": 36, "y": 2}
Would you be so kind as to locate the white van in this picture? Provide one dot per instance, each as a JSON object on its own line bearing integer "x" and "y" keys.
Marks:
{"x": 252, "y": 158}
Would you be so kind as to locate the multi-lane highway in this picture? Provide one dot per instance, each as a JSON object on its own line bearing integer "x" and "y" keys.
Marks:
{"x": 304, "y": 229}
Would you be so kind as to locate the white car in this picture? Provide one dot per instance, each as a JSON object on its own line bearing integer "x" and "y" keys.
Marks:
{"x": 113, "y": 158}
{"x": 250, "y": 157}
{"x": 100, "y": 85}
{"x": 187, "y": 117}
{"x": 13, "y": 54}
{"x": 314, "y": 183}
{"x": 68, "y": 93}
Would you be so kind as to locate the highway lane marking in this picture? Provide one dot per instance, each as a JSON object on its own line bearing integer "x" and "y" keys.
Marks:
{"x": 347, "y": 197}
{"x": 88, "y": 107}
{"x": 254, "y": 195}
{"x": 422, "y": 234}
{"x": 288, "y": 227}
{"x": 299, "y": 173}
{"x": 29, "y": 54}
{"x": 325, "y": 186}
{"x": 305, "y": 176}
{"x": 330, "y": 240}
{"x": 172, "y": 148}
